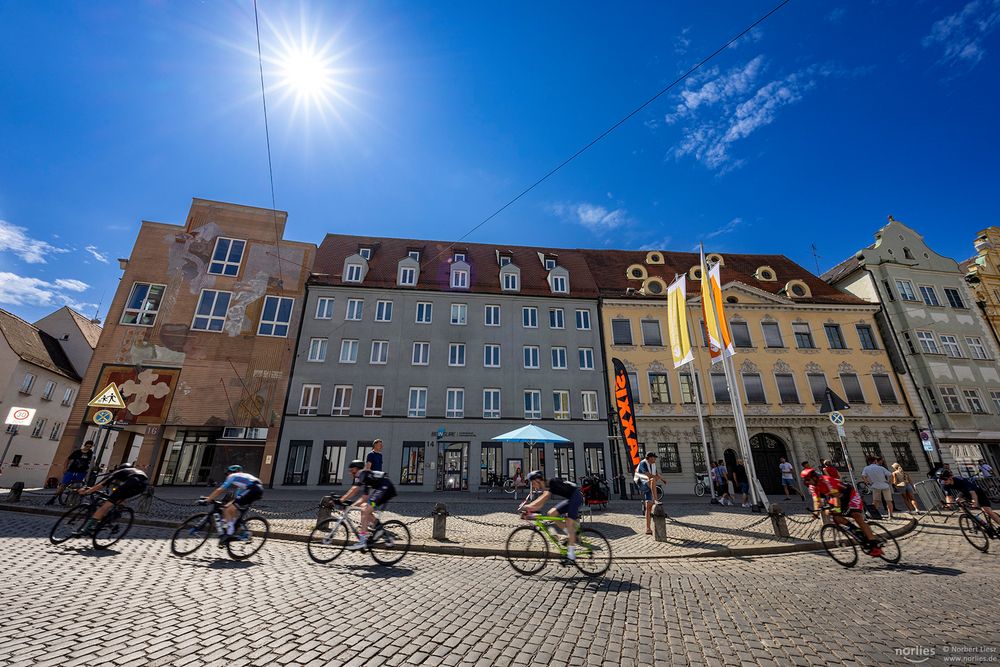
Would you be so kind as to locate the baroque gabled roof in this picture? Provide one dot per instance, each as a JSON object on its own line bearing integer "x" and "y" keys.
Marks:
{"x": 35, "y": 346}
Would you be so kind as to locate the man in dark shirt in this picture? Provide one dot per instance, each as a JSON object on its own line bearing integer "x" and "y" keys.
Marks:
{"x": 374, "y": 459}
{"x": 125, "y": 482}
{"x": 77, "y": 465}
{"x": 569, "y": 507}
{"x": 374, "y": 489}
{"x": 741, "y": 481}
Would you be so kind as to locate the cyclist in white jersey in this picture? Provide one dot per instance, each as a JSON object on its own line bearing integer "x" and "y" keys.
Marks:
{"x": 247, "y": 489}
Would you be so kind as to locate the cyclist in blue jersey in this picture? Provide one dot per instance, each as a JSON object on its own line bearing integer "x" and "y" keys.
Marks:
{"x": 374, "y": 490}
{"x": 247, "y": 489}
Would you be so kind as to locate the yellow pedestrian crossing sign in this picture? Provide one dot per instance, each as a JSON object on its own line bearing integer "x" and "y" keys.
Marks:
{"x": 109, "y": 397}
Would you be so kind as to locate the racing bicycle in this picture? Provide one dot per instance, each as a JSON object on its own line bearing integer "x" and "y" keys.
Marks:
{"x": 842, "y": 542}
{"x": 113, "y": 527}
{"x": 977, "y": 527}
{"x": 527, "y": 548}
{"x": 249, "y": 534}
{"x": 388, "y": 541}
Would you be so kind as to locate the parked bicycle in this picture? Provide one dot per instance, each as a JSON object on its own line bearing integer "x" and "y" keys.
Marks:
{"x": 701, "y": 484}
{"x": 387, "y": 542}
{"x": 977, "y": 526}
{"x": 527, "y": 548}
{"x": 249, "y": 533}
{"x": 842, "y": 542}
{"x": 113, "y": 527}
{"x": 863, "y": 488}
{"x": 498, "y": 483}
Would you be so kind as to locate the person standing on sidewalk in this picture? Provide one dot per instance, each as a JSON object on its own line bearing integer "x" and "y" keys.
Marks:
{"x": 788, "y": 478}
{"x": 77, "y": 465}
{"x": 374, "y": 459}
{"x": 647, "y": 477}
{"x": 741, "y": 481}
{"x": 903, "y": 484}
{"x": 877, "y": 478}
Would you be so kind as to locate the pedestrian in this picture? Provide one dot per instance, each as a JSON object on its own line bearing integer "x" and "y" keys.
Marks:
{"x": 787, "y": 471}
{"x": 77, "y": 465}
{"x": 985, "y": 469}
{"x": 721, "y": 483}
{"x": 903, "y": 484}
{"x": 518, "y": 481}
{"x": 741, "y": 481}
{"x": 830, "y": 470}
{"x": 374, "y": 459}
{"x": 877, "y": 478}
{"x": 646, "y": 477}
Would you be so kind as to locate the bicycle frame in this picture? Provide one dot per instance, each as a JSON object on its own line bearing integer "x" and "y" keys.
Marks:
{"x": 542, "y": 522}
{"x": 982, "y": 518}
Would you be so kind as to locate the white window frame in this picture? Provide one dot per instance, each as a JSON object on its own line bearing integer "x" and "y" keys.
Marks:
{"x": 948, "y": 392}
{"x": 355, "y": 310}
{"x": 928, "y": 342}
{"x": 417, "y": 409}
{"x": 560, "y": 404}
{"x": 549, "y": 264}
{"x": 366, "y": 253}
{"x": 317, "y": 349}
{"x": 557, "y": 318}
{"x": 463, "y": 314}
{"x": 529, "y": 317}
{"x": 382, "y": 347}
{"x": 559, "y": 359}
{"x": 974, "y": 399}
{"x": 349, "y": 345}
{"x": 456, "y": 355}
{"x": 949, "y": 291}
{"x": 905, "y": 290}
{"x": 591, "y": 411}
{"x": 509, "y": 282}
{"x": 977, "y": 348}
{"x": 210, "y": 317}
{"x": 340, "y": 407}
{"x": 928, "y": 295}
{"x": 426, "y": 309}
{"x": 373, "y": 408}
{"x": 50, "y": 388}
{"x": 459, "y": 257}
{"x": 491, "y": 355}
{"x": 950, "y": 346}
{"x": 27, "y": 383}
{"x": 995, "y": 397}
{"x": 353, "y": 273}
{"x": 310, "y": 393}
{"x": 36, "y": 432}
{"x": 491, "y": 398}
{"x": 582, "y": 314}
{"x": 383, "y": 310}
{"x": 227, "y": 262}
{"x": 407, "y": 276}
{"x": 141, "y": 313}
{"x": 324, "y": 308}
{"x": 413, "y": 254}
{"x": 533, "y": 349}
{"x": 536, "y": 403}
{"x": 421, "y": 353}
{"x": 491, "y": 315}
{"x": 460, "y": 279}
{"x": 586, "y": 358}
{"x": 68, "y": 395}
{"x": 276, "y": 323}
{"x": 454, "y": 403}
{"x": 560, "y": 285}
{"x": 56, "y": 430}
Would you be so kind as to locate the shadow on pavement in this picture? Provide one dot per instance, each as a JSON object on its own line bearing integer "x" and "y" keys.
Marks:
{"x": 376, "y": 571}
{"x": 220, "y": 563}
{"x": 926, "y": 569}
{"x": 88, "y": 551}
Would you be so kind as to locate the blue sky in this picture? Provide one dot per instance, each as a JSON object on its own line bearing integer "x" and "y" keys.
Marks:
{"x": 812, "y": 129}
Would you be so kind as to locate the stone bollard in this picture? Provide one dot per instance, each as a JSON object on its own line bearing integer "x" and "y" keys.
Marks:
{"x": 440, "y": 514}
{"x": 146, "y": 502}
{"x": 15, "y": 492}
{"x": 778, "y": 522}
{"x": 659, "y": 523}
{"x": 325, "y": 510}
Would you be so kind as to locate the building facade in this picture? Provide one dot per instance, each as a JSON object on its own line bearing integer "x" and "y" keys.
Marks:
{"x": 199, "y": 338}
{"x": 43, "y": 363}
{"x": 794, "y": 336}
{"x": 948, "y": 350}
{"x": 437, "y": 348}
{"x": 982, "y": 273}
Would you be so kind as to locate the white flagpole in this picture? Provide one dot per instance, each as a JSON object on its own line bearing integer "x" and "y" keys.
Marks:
{"x": 697, "y": 401}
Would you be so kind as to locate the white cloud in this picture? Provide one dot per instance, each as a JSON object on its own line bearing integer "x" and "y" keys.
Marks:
{"x": 725, "y": 229}
{"x": 594, "y": 217}
{"x": 836, "y": 14}
{"x": 682, "y": 42}
{"x": 660, "y": 244}
{"x": 736, "y": 81}
{"x": 18, "y": 290}
{"x": 961, "y": 34}
{"x": 16, "y": 240}
{"x": 99, "y": 256}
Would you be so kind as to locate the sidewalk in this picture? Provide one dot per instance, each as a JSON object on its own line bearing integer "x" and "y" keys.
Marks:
{"x": 478, "y": 524}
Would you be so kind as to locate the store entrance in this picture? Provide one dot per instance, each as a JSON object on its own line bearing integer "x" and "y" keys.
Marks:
{"x": 453, "y": 466}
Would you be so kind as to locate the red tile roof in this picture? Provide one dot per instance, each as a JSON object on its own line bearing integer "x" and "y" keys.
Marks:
{"x": 90, "y": 329}
{"x": 35, "y": 346}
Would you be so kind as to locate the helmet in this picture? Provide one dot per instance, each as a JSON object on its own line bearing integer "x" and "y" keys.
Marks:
{"x": 944, "y": 473}
{"x": 122, "y": 466}
{"x": 807, "y": 473}
{"x": 535, "y": 474}
{"x": 234, "y": 468}
{"x": 357, "y": 464}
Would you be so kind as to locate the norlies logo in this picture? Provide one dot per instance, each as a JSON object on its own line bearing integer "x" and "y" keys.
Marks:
{"x": 916, "y": 654}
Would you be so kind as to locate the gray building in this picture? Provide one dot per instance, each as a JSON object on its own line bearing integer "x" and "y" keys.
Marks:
{"x": 947, "y": 356}
{"x": 437, "y": 348}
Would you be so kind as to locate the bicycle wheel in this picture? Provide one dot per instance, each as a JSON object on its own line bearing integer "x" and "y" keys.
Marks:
{"x": 190, "y": 535}
{"x": 699, "y": 489}
{"x": 113, "y": 527}
{"x": 327, "y": 540}
{"x": 840, "y": 544}
{"x": 593, "y": 553}
{"x": 392, "y": 545}
{"x": 248, "y": 538}
{"x": 68, "y": 524}
{"x": 69, "y": 497}
{"x": 974, "y": 533}
{"x": 508, "y": 486}
{"x": 527, "y": 550}
{"x": 891, "y": 553}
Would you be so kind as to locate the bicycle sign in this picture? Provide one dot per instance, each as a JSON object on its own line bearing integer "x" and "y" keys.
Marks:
{"x": 837, "y": 418}
{"x": 103, "y": 417}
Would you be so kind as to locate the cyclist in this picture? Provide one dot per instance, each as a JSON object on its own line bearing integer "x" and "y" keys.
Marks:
{"x": 77, "y": 465}
{"x": 247, "y": 488}
{"x": 568, "y": 507}
{"x": 126, "y": 482}
{"x": 374, "y": 490}
{"x": 967, "y": 488}
{"x": 845, "y": 500}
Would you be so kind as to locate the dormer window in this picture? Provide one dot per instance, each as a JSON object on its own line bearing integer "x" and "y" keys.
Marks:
{"x": 460, "y": 278}
{"x": 510, "y": 282}
{"x": 559, "y": 284}
{"x": 504, "y": 260}
{"x": 414, "y": 254}
{"x": 550, "y": 263}
{"x": 366, "y": 253}
{"x": 407, "y": 276}
{"x": 459, "y": 256}
{"x": 797, "y": 289}
{"x": 353, "y": 273}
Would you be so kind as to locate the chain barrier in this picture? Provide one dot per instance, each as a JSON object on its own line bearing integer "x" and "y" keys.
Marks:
{"x": 484, "y": 523}
{"x": 416, "y": 521}
{"x": 805, "y": 520}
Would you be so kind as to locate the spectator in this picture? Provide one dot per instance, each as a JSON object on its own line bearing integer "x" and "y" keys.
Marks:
{"x": 788, "y": 477}
{"x": 646, "y": 477}
{"x": 985, "y": 469}
{"x": 374, "y": 459}
{"x": 77, "y": 465}
{"x": 903, "y": 484}
{"x": 877, "y": 478}
{"x": 721, "y": 483}
{"x": 830, "y": 470}
{"x": 741, "y": 481}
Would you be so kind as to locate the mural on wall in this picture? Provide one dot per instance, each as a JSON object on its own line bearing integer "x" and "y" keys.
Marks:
{"x": 147, "y": 392}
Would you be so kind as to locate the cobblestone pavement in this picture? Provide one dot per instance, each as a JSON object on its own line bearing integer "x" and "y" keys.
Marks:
{"x": 138, "y": 605}
{"x": 693, "y": 527}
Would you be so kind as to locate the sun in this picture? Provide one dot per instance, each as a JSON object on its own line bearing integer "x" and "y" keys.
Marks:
{"x": 306, "y": 75}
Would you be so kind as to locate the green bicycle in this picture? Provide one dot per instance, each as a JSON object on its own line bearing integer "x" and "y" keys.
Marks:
{"x": 528, "y": 547}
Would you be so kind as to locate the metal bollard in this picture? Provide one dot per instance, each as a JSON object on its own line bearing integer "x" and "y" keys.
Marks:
{"x": 146, "y": 502}
{"x": 325, "y": 510}
{"x": 440, "y": 514}
{"x": 15, "y": 492}
{"x": 659, "y": 523}
{"x": 778, "y": 522}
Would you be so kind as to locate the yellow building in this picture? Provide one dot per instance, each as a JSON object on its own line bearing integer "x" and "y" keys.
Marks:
{"x": 983, "y": 275}
{"x": 794, "y": 335}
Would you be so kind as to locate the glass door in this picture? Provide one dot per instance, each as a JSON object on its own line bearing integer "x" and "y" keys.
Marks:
{"x": 453, "y": 466}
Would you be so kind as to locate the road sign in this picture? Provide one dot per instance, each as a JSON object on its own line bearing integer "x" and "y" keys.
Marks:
{"x": 109, "y": 397}
{"x": 840, "y": 431}
{"x": 837, "y": 418}
{"x": 102, "y": 417}
{"x": 20, "y": 416}
{"x": 927, "y": 441}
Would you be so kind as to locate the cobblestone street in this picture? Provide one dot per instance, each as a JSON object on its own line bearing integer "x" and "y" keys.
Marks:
{"x": 138, "y": 605}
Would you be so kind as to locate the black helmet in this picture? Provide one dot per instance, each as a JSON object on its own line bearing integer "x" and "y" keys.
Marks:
{"x": 122, "y": 466}
{"x": 234, "y": 468}
{"x": 357, "y": 464}
{"x": 944, "y": 473}
{"x": 535, "y": 474}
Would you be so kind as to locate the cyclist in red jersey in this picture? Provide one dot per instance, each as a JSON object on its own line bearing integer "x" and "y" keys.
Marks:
{"x": 846, "y": 502}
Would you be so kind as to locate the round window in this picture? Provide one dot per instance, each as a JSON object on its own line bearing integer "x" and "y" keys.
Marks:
{"x": 732, "y": 299}
{"x": 767, "y": 275}
{"x": 637, "y": 273}
{"x": 654, "y": 288}
{"x": 798, "y": 290}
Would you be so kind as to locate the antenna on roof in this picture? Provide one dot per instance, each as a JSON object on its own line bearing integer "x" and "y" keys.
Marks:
{"x": 97, "y": 309}
{"x": 816, "y": 257}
